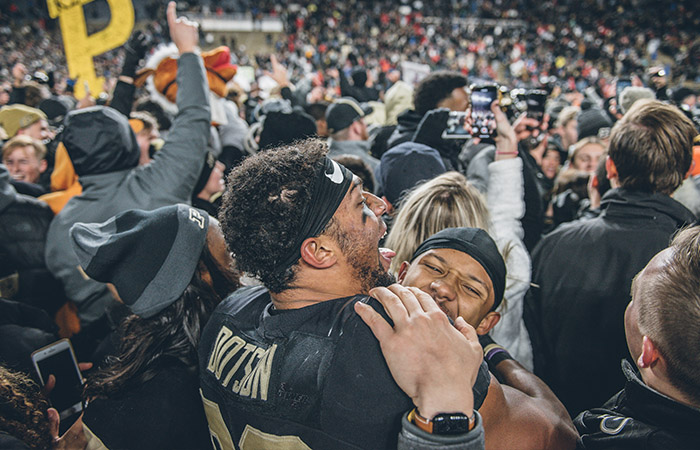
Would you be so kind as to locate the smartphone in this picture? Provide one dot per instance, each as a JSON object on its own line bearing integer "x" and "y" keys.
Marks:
{"x": 483, "y": 120}
{"x": 536, "y": 100}
{"x": 58, "y": 359}
{"x": 457, "y": 126}
{"x": 620, "y": 86}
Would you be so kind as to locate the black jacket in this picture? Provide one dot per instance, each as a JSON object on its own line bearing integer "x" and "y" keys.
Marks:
{"x": 24, "y": 222}
{"x": 360, "y": 93}
{"x": 23, "y": 226}
{"x": 639, "y": 418}
{"x": 23, "y": 329}
{"x": 407, "y": 124}
{"x": 163, "y": 412}
{"x": 583, "y": 272}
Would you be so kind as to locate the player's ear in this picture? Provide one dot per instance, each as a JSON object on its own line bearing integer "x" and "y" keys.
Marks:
{"x": 488, "y": 322}
{"x": 317, "y": 252}
{"x": 402, "y": 271}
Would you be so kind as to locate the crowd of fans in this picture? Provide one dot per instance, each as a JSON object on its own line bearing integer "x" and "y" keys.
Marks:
{"x": 210, "y": 242}
{"x": 516, "y": 42}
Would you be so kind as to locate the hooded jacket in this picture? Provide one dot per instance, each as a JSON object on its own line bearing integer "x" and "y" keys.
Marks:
{"x": 112, "y": 183}
{"x": 583, "y": 271}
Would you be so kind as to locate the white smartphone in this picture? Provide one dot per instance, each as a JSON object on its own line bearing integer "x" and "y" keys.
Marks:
{"x": 58, "y": 359}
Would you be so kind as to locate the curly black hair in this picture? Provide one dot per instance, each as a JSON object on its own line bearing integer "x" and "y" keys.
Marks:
{"x": 23, "y": 410}
{"x": 263, "y": 206}
{"x": 435, "y": 88}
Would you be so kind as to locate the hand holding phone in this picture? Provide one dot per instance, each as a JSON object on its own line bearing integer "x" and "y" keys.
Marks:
{"x": 536, "y": 100}
{"x": 58, "y": 360}
{"x": 483, "y": 119}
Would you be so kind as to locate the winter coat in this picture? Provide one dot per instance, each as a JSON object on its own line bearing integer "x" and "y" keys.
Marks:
{"x": 582, "y": 274}
{"x": 533, "y": 218}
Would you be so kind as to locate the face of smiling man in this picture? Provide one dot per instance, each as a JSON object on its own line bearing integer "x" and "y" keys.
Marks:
{"x": 457, "y": 282}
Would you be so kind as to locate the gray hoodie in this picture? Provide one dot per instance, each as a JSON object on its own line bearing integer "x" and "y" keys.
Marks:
{"x": 168, "y": 179}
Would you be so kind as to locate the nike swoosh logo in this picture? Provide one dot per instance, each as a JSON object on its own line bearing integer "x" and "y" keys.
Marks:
{"x": 337, "y": 175}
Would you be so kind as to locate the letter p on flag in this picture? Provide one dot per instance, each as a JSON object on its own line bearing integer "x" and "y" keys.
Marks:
{"x": 80, "y": 47}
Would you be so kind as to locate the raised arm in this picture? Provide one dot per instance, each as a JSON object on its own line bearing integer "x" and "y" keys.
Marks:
{"x": 175, "y": 169}
{"x": 506, "y": 204}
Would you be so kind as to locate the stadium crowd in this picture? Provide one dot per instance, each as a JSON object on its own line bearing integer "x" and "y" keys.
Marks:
{"x": 450, "y": 224}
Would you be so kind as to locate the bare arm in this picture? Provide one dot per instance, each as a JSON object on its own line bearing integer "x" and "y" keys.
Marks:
{"x": 524, "y": 414}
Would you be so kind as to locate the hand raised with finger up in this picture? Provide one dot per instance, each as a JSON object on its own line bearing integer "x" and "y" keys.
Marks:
{"x": 183, "y": 32}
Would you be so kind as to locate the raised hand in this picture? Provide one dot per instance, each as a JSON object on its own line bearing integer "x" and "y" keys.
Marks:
{"x": 183, "y": 32}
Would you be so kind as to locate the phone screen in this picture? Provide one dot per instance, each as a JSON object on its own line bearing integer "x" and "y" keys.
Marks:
{"x": 68, "y": 390}
{"x": 620, "y": 86}
{"x": 457, "y": 126}
{"x": 536, "y": 101}
{"x": 483, "y": 120}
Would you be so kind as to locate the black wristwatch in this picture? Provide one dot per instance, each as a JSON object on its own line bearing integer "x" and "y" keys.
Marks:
{"x": 445, "y": 423}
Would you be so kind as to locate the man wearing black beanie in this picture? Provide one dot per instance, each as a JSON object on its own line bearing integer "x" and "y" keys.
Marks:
{"x": 463, "y": 271}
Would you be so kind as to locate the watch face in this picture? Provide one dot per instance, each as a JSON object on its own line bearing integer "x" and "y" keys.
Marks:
{"x": 450, "y": 424}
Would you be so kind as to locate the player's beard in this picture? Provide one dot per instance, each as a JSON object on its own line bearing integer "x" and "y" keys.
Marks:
{"x": 364, "y": 258}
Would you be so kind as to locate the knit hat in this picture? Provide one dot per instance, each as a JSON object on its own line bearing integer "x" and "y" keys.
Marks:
{"x": 55, "y": 110}
{"x": 590, "y": 121}
{"x": 149, "y": 256}
{"x": 398, "y": 98}
{"x": 476, "y": 243}
{"x": 631, "y": 94}
{"x": 681, "y": 93}
{"x": 343, "y": 112}
{"x": 282, "y": 128}
{"x": 404, "y": 166}
{"x": 359, "y": 76}
{"x": 15, "y": 117}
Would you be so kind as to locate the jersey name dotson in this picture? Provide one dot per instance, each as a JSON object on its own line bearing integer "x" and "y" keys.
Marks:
{"x": 246, "y": 364}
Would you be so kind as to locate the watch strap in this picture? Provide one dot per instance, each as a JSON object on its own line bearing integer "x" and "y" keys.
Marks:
{"x": 444, "y": 423}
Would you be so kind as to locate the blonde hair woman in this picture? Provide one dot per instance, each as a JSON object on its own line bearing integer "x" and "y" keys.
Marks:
{"x": 450, "y": 201}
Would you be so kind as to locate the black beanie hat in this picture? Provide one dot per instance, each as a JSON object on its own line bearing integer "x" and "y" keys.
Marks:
{"x": 476, "y": 243}
{"x": 590, "y": 121}
{"x": 149, "y": 256}
{"x": 404, "y": 166}
{"x": 280, "y": 128}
